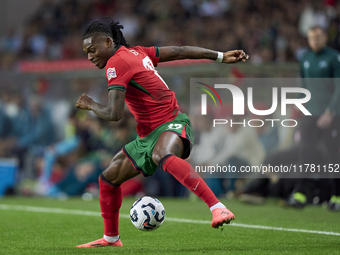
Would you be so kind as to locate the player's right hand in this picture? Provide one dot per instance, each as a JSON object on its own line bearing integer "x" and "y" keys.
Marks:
{"x": 84, "y": 102}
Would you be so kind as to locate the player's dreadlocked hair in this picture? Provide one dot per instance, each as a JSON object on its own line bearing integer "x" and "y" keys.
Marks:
{"x": 111, "y": 29}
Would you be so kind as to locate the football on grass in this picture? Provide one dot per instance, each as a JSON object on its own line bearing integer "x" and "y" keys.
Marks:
{"x": 147, "y": 213}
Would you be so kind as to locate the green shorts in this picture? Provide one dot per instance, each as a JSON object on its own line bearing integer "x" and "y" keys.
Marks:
{"x": 139, "y": 151}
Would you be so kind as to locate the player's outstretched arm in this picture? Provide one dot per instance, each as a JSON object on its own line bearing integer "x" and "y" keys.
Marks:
{"x": 114, "y": 110}
{"x": 170, "y": 53}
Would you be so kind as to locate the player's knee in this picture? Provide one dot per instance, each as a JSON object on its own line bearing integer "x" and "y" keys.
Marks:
{"x": 117, "y": 182}
{"x": 156, "y": 157}
{"x": 111, "y": 178}
{"x": 111, "y": 174}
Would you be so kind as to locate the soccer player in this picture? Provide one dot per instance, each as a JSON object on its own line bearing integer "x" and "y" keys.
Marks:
{"x": 164, "y": 133}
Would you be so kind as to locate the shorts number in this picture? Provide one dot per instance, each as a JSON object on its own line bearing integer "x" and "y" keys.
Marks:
{"x": 175, "y": 126}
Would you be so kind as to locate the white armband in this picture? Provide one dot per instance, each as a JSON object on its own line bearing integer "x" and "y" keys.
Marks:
{"x": 219, "y": 57}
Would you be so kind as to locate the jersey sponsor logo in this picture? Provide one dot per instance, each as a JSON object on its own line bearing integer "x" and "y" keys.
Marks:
{"x": 306, "y": 64}
{"x": 111, "y": 73}
{"x": 323, "y": 64}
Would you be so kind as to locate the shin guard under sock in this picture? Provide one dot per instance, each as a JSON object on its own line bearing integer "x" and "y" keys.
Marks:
{"x": 110, "y": 200}
{"x": 185, "y": 174}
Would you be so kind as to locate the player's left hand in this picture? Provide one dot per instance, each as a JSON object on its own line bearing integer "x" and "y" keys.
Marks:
{"x": 84, "y": 102}
{"x": 234, "y": 56}
{"x": 325, "y": 120}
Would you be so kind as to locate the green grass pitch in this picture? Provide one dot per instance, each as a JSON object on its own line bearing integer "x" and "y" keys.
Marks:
{"x": 50, "y": 232}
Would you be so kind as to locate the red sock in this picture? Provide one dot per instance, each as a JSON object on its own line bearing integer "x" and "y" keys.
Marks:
{"x": 131, "y": 187}
{"x": 110, "y": 200}
{"x": 185, "y": 174}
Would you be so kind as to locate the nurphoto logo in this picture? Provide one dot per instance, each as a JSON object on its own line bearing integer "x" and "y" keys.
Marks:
{"x": 238, "y": 105}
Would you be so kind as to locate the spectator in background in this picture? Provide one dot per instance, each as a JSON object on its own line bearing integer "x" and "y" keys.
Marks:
{"x": 84, "y": 153}
{"x": 41, "y": 130}
{"x": 10, "y": 41}
{"x": 78, "y": 177}
{"x": 267, "y": 134}
{"x": 241, "y": 147}
{"x": 18, "y": 115}
{"x": 5, "y": 130}
{"x": 16, "y": 110}
{"x": 208, "y": 142}
{"x": 229, "y": 144}
{"x": 5, "y": 124}
{"x": 76, "y": 136}
{"x": 31, "y": 129}
{"x": 273, "y": 31}
{"x": 281, "y": 146}
{"x": 324, "y": 105}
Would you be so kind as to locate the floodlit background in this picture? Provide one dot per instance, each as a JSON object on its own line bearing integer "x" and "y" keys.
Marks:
{"x": 48, "y": 148}
{"x": 51, "y": 154}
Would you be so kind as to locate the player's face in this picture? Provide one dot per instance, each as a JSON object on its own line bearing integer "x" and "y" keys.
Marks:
{"x": 99, "y": 49}
{"x": 317, "y": 40}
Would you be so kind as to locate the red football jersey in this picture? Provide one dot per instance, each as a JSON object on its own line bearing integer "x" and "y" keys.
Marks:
{"x": 149, "y": 99}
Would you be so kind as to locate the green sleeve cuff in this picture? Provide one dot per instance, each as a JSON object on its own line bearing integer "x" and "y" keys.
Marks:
{"x": 118, "y": 87}
{"x": 157, "y": 52}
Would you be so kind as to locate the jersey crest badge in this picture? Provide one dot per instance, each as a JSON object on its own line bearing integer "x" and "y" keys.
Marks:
{"x": 111, "y": 73}
{"x": 306, "y": 64}
{"x": 323, "y": 64}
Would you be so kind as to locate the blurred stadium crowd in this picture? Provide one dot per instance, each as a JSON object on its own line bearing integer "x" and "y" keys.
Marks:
{"x": 267, "y": 30}
{"x": 61, "y": 150}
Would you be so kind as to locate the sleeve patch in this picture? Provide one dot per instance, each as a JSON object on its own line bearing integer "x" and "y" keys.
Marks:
{"x": 111, "y": 73}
